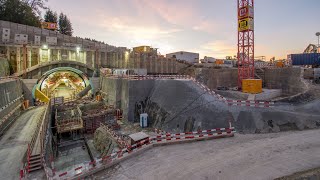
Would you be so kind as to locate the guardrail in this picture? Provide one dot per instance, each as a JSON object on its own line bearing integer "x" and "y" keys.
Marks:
{"x": 34, "y": 136}
{"x": 99, "y": 164}
{"x": 3, "y": 122}
{"x": 8, "y": 77}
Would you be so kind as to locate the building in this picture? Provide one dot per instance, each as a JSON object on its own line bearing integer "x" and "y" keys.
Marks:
{"x": 208, "y": 60}
{"x": 185, "y": 56}
{"x": 145, "y": 49}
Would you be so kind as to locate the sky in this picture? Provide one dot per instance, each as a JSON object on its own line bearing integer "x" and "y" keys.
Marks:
{"x": 208, "y": 27}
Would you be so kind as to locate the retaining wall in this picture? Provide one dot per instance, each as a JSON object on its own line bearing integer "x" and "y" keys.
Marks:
{"x": 10, "y": 100}
{"x": 180, "y": 105}
{"x": 287, "y": 79}
{"x": 227, "y": 77}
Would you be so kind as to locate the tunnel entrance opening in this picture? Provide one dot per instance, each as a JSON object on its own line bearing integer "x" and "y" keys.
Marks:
{"x": 63, "y": 82}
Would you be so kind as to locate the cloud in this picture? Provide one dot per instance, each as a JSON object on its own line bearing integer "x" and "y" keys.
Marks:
{"x": 217, "y": 49}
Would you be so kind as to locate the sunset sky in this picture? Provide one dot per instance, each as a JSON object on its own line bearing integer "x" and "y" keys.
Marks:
{"x": 208, "y": 27}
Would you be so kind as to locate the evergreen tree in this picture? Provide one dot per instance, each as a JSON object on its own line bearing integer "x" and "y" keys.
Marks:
{"x": 51, "y": 16}
{"x": 65, "y": 26}
{"x": 36, "y": 5}
{"x": 19, "y": 12}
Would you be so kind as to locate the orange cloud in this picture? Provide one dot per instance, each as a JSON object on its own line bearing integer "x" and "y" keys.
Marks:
{"x": 217, "y": 49}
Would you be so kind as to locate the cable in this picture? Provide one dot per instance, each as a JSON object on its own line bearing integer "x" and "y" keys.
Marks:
{"x": 186, "y": 107}
{"x": 198, "y": 106}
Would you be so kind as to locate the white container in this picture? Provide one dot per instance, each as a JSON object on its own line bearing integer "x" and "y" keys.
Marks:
{"x": 5, "y": 35}
{"x": 144, "y": 120}
{"x": 21, "y": 38}
{"x": 140, "y": 72}
{"x": 51, "y": 40}
{"x": 185, "y": 56}
{"x": 37, "y": 40}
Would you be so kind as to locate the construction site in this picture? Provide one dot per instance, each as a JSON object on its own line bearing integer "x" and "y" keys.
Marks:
{"x": 72, "y": 108}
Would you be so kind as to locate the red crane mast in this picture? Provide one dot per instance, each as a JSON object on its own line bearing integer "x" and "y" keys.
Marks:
{"x": 245, "y": 40}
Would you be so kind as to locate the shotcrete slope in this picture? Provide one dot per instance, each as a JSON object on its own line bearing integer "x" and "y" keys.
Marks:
{"x": 180, "y": 105}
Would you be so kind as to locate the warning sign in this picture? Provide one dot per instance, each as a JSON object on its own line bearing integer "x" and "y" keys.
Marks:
{"x": 245, "y": 24}
{"x": 48, "y": 25}
{"x": 246, "y": 12}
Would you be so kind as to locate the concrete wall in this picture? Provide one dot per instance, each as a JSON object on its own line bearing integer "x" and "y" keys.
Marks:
{"x": 96, "y": 84}
{"x": 287, "y": 79}
{"x": 153, "y": 63}
{"x": 180, "y": 105}
{"x": 10, "y": 90}
{"x": 93, "y": 54}
{"x": 227, "y": 77}
{"x": 27, "y": 86}
{"x": 115, "y": 92}
{"x": 61, "y": 39}
{"x": 4, "y": 67}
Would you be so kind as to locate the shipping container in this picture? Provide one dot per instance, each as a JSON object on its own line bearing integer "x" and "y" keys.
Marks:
{"x": 252, "y": 86}
{"x": 305, "y": 59}
{"x": 219, "y": 61}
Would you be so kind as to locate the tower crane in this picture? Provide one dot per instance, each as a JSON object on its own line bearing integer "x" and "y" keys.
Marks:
{"x": 245, "y": 40}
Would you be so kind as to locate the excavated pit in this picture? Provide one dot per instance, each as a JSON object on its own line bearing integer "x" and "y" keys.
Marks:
{"x": 180, "y": 106}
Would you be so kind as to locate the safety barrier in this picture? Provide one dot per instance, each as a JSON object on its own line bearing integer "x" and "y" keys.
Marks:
{"x": 9, "y": 78}
{"x": 255, "y": 104}
{"x": 84, "y": 170}
{"x": 15, "y": 100}
{"x": 229, "y": 102}
{"x": 120, "y": 141}
{"x": 27, "y": 156}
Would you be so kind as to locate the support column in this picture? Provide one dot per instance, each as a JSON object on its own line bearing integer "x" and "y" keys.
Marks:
{"x": 18, "y": 59}
{"x": 59, "y": 55}
{"x": 29, "y": 54}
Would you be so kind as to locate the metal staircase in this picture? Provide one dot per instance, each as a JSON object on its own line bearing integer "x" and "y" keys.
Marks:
{"x": 34, "y": 163}
{"x": 260, "y": 74}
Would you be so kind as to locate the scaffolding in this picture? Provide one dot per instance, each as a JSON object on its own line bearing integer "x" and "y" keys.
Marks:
{"x": 69, "y": 120}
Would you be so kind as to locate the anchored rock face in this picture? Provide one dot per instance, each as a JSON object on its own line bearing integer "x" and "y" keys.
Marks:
{"x": 103, "y": 142}
{"x": 156, "y": 114}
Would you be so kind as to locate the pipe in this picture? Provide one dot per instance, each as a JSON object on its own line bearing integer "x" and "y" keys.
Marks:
{"x": 84, "y": 92}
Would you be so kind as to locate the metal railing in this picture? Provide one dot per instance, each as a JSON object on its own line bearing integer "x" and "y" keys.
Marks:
{"x": 31, "y": 144}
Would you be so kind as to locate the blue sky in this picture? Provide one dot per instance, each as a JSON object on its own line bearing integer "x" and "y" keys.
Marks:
{"x": 205, "y": 26}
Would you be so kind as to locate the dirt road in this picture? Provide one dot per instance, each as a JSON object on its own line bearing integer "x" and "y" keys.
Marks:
{"x": 14, "y": 143}
{"x": 253, "y": 156}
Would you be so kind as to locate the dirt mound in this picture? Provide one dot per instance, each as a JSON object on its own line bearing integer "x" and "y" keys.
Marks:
{"x": 103, "y": 142}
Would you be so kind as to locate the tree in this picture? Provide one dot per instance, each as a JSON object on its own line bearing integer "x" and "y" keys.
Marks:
{"x": 51, "y": 16}
{"x": 36, "y": 5}
{"x": 65, "y": 26}
{"x": 19, "y": 12}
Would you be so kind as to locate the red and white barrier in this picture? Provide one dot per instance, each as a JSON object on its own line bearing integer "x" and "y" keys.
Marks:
{"x": 115, "y": 157}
